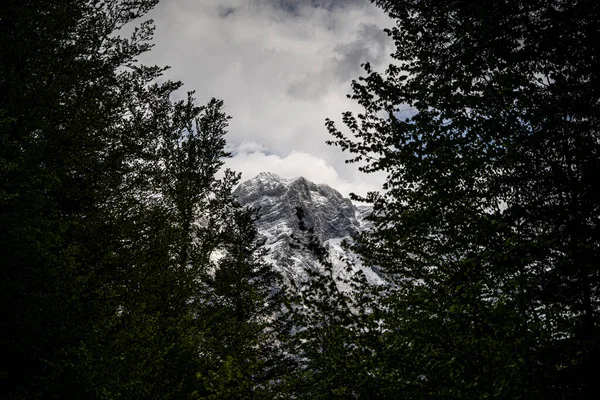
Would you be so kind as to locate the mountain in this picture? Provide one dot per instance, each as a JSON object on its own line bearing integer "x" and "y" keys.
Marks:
{"x": 333, "y": 218}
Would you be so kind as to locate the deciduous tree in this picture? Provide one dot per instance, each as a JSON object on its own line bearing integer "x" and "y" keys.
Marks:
{"x": 110, "y": 210}
{"x": 486, "y": 124}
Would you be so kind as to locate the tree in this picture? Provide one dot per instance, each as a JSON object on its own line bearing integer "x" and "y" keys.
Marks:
{"x": 241, "y": 342}
{"x": 103, "y": 179}
{"x": 63, "y": 106}
{"x": 488, "y": 220}
{"x": 333, "y": 339}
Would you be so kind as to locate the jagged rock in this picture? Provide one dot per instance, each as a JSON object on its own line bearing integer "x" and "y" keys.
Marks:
{"x": 333, "y": 218}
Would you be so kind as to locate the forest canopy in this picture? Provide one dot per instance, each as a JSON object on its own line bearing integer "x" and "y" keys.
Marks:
{"x": 488, "y": 220}
{"x": 129, "y": 270}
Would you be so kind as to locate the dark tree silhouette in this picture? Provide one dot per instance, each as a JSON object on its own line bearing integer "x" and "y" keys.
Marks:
{"x": 110, "y": 211}
{"x": 486, "y": 124}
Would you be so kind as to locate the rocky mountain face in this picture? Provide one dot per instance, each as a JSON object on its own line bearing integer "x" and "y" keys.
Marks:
{"x": 333, "y": 218}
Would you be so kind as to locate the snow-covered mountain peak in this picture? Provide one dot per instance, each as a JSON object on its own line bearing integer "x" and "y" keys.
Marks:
{"x": 325, "y": 209}
{"x": 271, "y": 177}
{"x": 332, "y": 217}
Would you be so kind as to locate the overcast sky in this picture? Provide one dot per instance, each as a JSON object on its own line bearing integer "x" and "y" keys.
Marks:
{"x": 281, "y": 67}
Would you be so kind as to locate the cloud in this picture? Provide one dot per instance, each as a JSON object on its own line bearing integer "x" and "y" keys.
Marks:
{"x": 298, "y": 8}
{"x": 281, "y": 66}
{"x": 343, "y": 65}
{"x": 252, "y": 158}
{"x": 224, "y": 12}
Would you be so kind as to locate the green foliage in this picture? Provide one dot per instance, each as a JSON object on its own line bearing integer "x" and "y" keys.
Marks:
{"x": 334, "y": 336}
{"x": 240, "y": 346}
{"x": 110, "y": 211}
{"x": 488, "y": 222}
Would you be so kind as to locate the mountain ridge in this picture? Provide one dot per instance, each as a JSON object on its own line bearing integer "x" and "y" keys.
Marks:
{"x": 332, "y": 217}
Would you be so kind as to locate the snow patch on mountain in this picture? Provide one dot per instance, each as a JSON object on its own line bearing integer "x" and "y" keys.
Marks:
{"x": 332, "y": 217}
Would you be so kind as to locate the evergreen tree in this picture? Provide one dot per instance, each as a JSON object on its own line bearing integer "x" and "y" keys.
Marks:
{"x": 241, "y": 343}
{"x": 334, "y": 336}
{"x": 488, "y": 220}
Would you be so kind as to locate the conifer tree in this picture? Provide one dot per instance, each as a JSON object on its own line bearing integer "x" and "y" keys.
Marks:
{"x": 334, "y": 336}
{"x": 241, "y": 343}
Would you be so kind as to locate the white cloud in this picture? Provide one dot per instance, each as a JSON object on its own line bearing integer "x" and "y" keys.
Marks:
{"x": 282, "y": 67}
{"x": 253, "y": 159}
